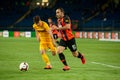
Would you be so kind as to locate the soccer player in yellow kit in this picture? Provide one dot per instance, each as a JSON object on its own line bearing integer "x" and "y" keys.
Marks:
{"x": 45, "y": 37}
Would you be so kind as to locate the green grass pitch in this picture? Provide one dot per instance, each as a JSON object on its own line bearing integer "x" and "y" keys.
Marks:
{"x": 106, "y": 56}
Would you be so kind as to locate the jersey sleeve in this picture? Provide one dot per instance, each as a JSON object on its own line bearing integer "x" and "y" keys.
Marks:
{"x": 34, "y": 26}
{"x": 47, "y": 28}
{"x": 66, "y": 19}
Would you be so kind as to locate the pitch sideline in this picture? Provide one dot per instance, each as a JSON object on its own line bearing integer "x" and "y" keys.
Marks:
{"x": 107, "y": 65}
{"x": 114, "y": 40}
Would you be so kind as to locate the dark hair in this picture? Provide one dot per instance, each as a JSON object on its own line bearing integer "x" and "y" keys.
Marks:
{"x": 61, "y": 9}
{"x": 36, "y": 19}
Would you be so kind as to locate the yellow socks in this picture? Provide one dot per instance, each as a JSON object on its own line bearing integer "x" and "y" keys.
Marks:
{"x": 45, "y": 59}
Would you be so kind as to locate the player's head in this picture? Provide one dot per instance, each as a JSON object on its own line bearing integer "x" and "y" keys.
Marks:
{"x": 59, "y": 12}
{"x": 36, "y": 19}
{"x": 50, "y": 20}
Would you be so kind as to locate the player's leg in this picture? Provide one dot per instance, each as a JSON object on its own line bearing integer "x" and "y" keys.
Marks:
{"x": 79, "y": 55}
{"x": 44, "y": 56}
{"x": 60, "y": 50}
{"x": 52, "y": 48}
{"x": 73, "y": 47}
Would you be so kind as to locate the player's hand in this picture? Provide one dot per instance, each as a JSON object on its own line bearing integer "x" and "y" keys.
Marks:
{"x": 54, "y": 43}
{"x": 54, "y": 27}
{"x": 38, "y": 37}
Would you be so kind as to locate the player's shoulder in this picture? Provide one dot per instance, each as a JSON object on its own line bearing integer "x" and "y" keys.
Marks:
{"x": 66, "y": 19}
{"x": 43, "y": 22}
{"x": 34, "y": 25}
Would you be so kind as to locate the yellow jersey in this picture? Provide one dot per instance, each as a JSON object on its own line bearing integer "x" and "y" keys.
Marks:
{"x": 43, "y": 31}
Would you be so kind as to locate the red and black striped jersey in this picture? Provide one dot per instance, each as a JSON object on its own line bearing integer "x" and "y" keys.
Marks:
{"x": 65, "y": 34}
{"x": 53, "y": 30}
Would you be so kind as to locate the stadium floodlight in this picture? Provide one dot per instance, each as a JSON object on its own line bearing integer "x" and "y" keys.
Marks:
{"x": 43, "y": 4}
{"x": 35, "y": 4}
{"x": 38, "y": 3}
{"x": 47, "y": 4}
{"x": 45, "y": 1}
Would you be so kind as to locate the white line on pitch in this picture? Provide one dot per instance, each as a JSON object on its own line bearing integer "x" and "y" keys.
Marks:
{"x": 105, "y": 65}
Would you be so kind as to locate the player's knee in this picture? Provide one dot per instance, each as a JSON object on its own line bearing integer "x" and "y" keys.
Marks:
{"x": 59, "y": 51}
{"x": 74, "y": 54}
{"x": 42, "y": 51}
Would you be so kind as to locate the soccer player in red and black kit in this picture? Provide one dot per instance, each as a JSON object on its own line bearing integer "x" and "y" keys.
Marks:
{"x": 54, "y": 32}
{"x": 67, "y": 39}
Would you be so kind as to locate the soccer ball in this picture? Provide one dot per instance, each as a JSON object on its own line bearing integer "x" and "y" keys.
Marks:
{"x": 23, "y": 66}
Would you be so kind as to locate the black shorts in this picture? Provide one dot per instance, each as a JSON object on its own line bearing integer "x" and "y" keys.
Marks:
{"x": 55, "y": 36}
{"x": 71, "y": 44}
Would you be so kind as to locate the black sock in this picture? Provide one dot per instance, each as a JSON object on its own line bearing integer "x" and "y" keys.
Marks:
{"x": 79, "y": 55}
{"x": 62, "y": 58}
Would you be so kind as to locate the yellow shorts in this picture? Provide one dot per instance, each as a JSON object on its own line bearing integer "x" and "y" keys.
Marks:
{"x": 47, "y": 45}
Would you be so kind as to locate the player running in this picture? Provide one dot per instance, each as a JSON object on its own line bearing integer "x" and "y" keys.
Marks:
{"x": 67, "y": 39}
{"x": 45, "y": 37}
{"x": 54, "y": 32}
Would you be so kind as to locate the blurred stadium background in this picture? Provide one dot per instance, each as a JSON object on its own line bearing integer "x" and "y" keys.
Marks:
{"x": 86, "y": 15}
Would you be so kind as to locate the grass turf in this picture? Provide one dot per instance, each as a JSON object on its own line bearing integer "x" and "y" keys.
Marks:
{"x": 13, "y": 51}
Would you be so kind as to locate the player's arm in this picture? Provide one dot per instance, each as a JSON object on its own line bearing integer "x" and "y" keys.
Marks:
{"x": 53, "y": 27}
{"x": 50, "y": 32}
{"x": 37, "y": 36}
{"x": 67, "y": 24}
{"x": 53, "y": 40}
{"x": 36, "y": 32}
